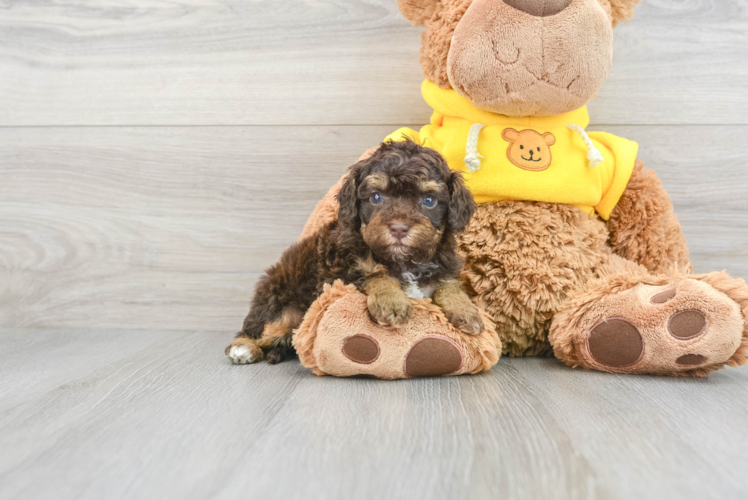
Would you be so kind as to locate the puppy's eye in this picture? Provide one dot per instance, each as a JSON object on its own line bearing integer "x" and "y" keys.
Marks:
{"x": 429, "y": 202}
{"x": 376, "y": 198}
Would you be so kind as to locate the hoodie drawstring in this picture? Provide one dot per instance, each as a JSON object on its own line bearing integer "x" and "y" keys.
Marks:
{"x": 472, "y": 161}
{"x": 593, "y": 155}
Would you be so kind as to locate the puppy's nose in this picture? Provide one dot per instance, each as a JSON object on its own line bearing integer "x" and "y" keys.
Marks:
{"x": 539, "y": 8}
{"x": 399, "y": 231}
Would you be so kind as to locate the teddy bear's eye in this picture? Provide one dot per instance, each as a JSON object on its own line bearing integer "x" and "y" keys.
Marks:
{"x": 376, "y": 199}
{"x": 521, "y": 146}
{"x": 538, "y": 150}
{"x": 429, "y": 202}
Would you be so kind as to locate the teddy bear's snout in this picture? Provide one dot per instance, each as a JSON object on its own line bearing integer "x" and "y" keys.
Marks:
{"x": 541, "y": 57}
{"x": 539, "y": 8}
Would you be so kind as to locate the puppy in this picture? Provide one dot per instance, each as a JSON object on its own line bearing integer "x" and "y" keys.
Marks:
{"x": 394, "y": 238}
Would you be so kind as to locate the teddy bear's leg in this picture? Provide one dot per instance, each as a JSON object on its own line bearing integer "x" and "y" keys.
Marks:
{"x": 338, "y": 337}
{"x": 633, "y": 322}
{"x": 643, "y": 226}
{"x": 523, "y": 259}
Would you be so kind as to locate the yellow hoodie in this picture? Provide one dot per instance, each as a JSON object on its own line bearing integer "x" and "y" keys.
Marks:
{"x": 547, "y": 158}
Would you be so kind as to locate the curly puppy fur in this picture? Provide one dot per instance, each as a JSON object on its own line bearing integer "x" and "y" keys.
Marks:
{"x": 399, "y": 211}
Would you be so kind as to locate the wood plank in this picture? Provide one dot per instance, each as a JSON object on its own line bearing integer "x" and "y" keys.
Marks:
{"x": 177, "y": 420}
{"x": 37, "y": 361}
{"x": 169, "y": 227}
{"x": 625, "y": 425}
{"x": 281, "y": 62}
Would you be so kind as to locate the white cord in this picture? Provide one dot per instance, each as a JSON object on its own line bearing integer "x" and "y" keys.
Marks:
{"x": 593, "y": 155}
{"x": 471, "y": 149}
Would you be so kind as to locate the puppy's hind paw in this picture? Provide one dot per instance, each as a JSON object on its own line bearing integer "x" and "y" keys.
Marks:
{"x": 244, "y": 351}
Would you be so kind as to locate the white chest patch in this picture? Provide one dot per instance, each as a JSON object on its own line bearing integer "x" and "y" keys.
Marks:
{"x": 414, "y": 291}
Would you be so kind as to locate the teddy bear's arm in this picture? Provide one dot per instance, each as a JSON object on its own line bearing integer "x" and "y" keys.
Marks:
{"x": 643, "y": 226}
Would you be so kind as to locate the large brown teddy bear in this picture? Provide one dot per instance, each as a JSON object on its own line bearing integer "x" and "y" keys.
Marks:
{"x": 574, "y": 248}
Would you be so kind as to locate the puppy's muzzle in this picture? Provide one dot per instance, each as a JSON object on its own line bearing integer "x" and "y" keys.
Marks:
{"x": 399, "y": 231}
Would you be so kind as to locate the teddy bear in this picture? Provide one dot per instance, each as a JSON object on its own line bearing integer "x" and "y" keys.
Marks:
{"x": 574, "y": 249}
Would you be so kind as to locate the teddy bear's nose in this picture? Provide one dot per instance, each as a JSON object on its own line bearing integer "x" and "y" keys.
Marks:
{"x": 539, "y": 8}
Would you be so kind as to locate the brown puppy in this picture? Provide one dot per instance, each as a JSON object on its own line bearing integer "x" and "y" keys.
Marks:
{"x": 394, "y": 239}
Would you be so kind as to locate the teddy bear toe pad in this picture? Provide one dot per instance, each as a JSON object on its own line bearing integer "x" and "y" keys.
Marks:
{"x": 662, "y": 329}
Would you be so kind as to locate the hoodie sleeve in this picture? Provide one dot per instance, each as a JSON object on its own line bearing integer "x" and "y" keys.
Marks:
{"x": 401, "y": 134}
{"x": 615, "y": 177}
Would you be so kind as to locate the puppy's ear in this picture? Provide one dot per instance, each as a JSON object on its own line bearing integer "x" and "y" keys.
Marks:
{"x": 461, "y": 203}
{"x": 348, "y": 198}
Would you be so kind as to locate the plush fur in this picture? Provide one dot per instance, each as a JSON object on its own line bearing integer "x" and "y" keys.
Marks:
{"x": 514, "y": 64}
{"x": 398, "y": 213}
{"x": 549, "y": 274}
{"x": 341, "y": 311}
{"x": 643, "y": 226}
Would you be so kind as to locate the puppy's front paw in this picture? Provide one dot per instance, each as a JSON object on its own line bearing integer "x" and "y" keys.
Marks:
{"x": 390, "y": 309}
{"x": 466, "y": 319}
{"x": 243, "y": 351}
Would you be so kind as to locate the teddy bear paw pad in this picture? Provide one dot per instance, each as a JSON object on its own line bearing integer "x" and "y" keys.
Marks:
{"x": 361, "y": 349}
{"x": 662, "y": 329}
{"x": 615, "y": 342}
{"x": 433, "y": 356}
{"x": 686, "y": 325}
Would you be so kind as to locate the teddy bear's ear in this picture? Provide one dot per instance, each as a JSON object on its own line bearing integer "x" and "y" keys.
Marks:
{"x": 417, "y": 12}
{"x": 509, "y": 135}
{"x": 620, "y": 10}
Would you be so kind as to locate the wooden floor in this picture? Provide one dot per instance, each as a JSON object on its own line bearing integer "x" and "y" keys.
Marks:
{"x": 156, "y": 156}
{"x": 92, "y": 414}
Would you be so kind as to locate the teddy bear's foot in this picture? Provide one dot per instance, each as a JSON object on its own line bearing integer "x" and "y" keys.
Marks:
{"x": 337, "y": 337}
{"x": 244, "y": 350}
{"x": 657, "y": 325}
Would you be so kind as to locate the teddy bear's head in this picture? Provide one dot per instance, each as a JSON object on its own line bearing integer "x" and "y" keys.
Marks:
{"x": 519, "y": 57}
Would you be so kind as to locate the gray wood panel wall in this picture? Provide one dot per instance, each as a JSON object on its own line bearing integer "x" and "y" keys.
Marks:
{"x": 156, "y": 156}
